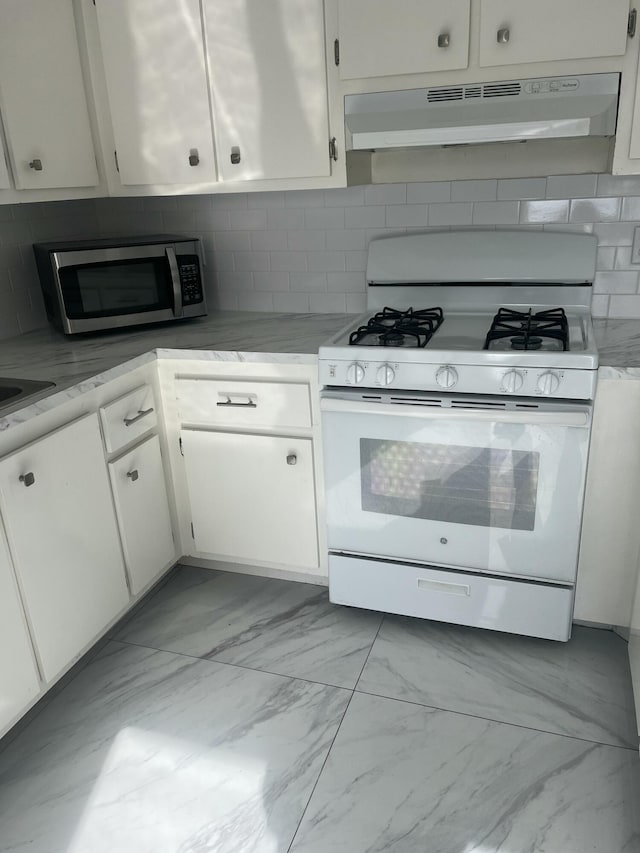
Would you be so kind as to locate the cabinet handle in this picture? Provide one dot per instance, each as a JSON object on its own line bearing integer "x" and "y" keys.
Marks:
{"x": 235, "y": 155}
{"x": 292, "y": 459}
{"x": 503, "y": 35}
{"x": 142, "y": 413}
{"x": 194, "y": 157}
{"x": 27, "y": 479}
{"x": 133, "y": 475}
{"x": 36, "y": 165}
{"x": 229, "y": 402}
{"x": 444, "y": 40}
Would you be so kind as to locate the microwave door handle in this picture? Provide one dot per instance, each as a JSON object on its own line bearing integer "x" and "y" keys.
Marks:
{"x": 175, "y": 281}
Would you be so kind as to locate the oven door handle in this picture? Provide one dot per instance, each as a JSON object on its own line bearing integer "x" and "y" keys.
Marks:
{"x": 532, "y": 417}
{"x": 175, "y": 281}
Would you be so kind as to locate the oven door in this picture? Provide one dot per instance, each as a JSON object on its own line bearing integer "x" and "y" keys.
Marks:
{"x": 453, "y": 484}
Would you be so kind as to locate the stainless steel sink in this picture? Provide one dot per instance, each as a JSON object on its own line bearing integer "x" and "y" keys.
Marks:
{"x": 14, "y": 391}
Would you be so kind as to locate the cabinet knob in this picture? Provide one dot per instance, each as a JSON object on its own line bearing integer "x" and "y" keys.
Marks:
{"x": 36, "y": 165}
{"x": 292, "y": 459}
{"x": 444, "y": 40}
{"x": 194, "y": 157}
{"x": 503, "y": 35}
{"x": 235, "y": 155}
{"x": 133, "y": 475}
{"x": 28, "y": 479}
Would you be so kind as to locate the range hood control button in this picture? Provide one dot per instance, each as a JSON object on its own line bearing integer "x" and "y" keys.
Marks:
{"x": 446, "y": 376}
{"x": 386, "y": 374}
{"x": 512, "y": 381}
{"x": 355, "y": 373}
{"x": 548, "y": 382}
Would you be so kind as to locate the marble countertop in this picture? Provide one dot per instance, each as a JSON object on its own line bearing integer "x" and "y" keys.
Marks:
{"x": 78, "y": 364}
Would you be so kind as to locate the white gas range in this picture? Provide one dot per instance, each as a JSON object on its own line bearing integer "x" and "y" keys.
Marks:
{"x": 456, "y": 423}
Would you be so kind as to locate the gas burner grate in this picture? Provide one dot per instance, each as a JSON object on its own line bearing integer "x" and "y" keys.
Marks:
{"x": 528, "y": 330}
{"x": 393, "y": 328}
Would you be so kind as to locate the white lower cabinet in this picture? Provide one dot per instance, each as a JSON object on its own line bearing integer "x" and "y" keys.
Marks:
{"x": 142, "y": 507}
{"x": 61, "y": 527}
{"x": 252, "y": 497}
{"x": 19, "y": 682}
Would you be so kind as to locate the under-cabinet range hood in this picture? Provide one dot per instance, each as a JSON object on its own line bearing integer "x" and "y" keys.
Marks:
{"x": 504, "y": 111}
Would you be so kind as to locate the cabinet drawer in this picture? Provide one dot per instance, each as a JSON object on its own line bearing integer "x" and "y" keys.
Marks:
{"x": 516, "y": 607}
{"x": 239, "y": 403}
{"x": 126, "y": 419}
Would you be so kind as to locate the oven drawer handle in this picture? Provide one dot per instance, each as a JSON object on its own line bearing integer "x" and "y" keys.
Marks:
{"x": 577, "y": 418}
{"x": 248, "y": 403}
{"x": 443, "y": 586}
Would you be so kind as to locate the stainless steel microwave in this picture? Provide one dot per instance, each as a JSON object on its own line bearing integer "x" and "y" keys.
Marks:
{"x": 91, "y": 285}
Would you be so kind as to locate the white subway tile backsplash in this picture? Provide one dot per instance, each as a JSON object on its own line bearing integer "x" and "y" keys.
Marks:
{"x": 294, "y": 303}
{"x": 618, "y": 185}
{"x": 248, "y": 220}
{"x": 266, "y": 200}
{"x": 615, "y": 282}
{"x": 605, "y": 258}
{"x": 326, "y": 261}
{"x": 571, "y": 186}
{"x": 311, "y": 281}
{"x": 356, "y": 303}
{"x": 630, "y": 209}
{"x": 432, "y": 191}
{"x": 324, "y": 218}
{"x": 364, "y": 217}
{"x": 599, "y": 305}
{"x": 267, "y": 241}
{"x": 406, "y": 214}
{"x": 221, "y": 260}
{"x": 355, "y": 261}
{"x": 545, "y": 210}
{"x": 623, "y": 257}
{"x": 232, "y": 280}
{"x": 385, "y": 194}
{"x": 474, "y": 190}
{"x": 624, "y": 307}
{"x": 346, "y": 282}
{"x": 304, "y": 198}
{"x": 233, "y": 241}
{"x": 350, "y": 239}
{"x": 328, "y": 303}
{"x": 249, "y": 300}
{"x": 273, "y": 281}
{"x": 249, "y": 261}
{"x": 347, "y": 197}
{"x": 305, "y": 241}
{"x": 284, "y": 219}
{"x": 230, "y": 201}
{"x": 496, "y": 212}
{"x": 450, "y": 214}
{"x": 594, "y": 210}
{"x": 289, "y": 261}
{"x": 516, "y": 189}
{"x": 614, "y": 234}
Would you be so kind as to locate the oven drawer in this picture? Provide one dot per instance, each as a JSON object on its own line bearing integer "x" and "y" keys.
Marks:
{"x": 517, "y": 607}
{"x": 241, "y": 403}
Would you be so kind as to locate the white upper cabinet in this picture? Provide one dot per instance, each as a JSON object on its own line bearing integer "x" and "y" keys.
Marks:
{"x": 154, "y": 65}
{"x": 42, "y": 96}
{"x": 268, "y": 88}
{"x": 519, "y": 31}
{"x": 379, "y": 38}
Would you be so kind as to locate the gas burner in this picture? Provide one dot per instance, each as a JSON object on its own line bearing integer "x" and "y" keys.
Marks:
{"x": 393, "y": 328}
{"x": 528, "y": 330}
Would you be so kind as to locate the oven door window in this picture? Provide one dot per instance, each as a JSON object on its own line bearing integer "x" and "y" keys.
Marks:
{"x": 114, "y": 288}
{"x": 450, "y": 483}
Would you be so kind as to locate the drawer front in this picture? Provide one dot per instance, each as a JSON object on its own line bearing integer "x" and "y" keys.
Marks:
{"x": 517, "y": 607}
{"x": 127, "y": 418}
{"x": 219, "y": 402}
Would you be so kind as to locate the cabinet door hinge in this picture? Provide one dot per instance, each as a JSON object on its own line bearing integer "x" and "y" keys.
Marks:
{"x": 180, "y": 446}
{"x": 336, "y": 51}
{"x": 333, "y": 149}
{"x": 115, "y": 157}
{"x": 631, "y": 25}
{"x": 193, "y": 535}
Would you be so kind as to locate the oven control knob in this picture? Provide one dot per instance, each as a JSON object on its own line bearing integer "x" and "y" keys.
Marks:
{"x": 355, "y": 373}
{"x": 512, "y": 381}
{"x": 548, "y": 382}
{"x": 446, "y": 376}
{"x": 386, "y": 374}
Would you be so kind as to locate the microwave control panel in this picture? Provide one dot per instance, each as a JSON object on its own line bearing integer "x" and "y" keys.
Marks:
{"x": 190, "y": 280}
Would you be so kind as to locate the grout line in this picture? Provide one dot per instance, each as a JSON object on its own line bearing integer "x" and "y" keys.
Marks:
{"x": 236, "y": 665}
{"x": 366, "y": 660}
{"x": 492, "y": 720}
{"x": 315, "y": 784}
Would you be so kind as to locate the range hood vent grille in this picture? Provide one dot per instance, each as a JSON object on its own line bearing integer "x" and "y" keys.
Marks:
{"x": 460, "y": 93}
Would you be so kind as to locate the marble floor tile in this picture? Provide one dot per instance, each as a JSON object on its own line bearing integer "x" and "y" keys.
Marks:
{"x": 403, "y": 778}
{"x": 152, "y": 752}
{"x": 581, "y": 688}
{"x": 278, "y": 626}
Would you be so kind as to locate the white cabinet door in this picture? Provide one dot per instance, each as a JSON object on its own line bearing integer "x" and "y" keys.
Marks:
{"x": 19, "y": 681}
{"x": 518, "y": 31}
{"x": 268, "y": 87}
{"x": 58, "y": 513}
{"x": 42, "y": 96}
{"x": 154, "y": 63}
{"x": 140, "y": 495}
{"x": 379, "y": 38}
{"x": 252, "y": 497}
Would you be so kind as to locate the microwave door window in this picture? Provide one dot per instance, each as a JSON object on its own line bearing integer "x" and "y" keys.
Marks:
{"x": 112, "y": 289}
